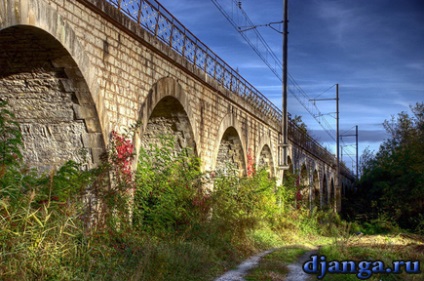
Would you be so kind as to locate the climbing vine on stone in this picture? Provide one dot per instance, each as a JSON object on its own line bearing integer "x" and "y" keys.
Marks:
{"x": 122, "y": 155}
{"x": 250, "y": 163}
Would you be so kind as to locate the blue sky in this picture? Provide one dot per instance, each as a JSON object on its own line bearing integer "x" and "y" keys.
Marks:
{"x": 373, "y": 49}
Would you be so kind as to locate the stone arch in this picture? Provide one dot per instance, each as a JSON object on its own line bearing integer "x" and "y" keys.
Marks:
{"x": 230, "y": 154}
{"x": 332, "y": 194}
{"x": 288, "y": 174}
{"x": 324, "y": 191}
{"x": 304, "y": 177}
{"x": 265, "y": 160}
{"x": 290, "y": 163}
{"x": 316, "y": 189}
{"x": 167, "y": 103}
{"x": 169, "y": 119}
{"x": 304, "y": 184}
{"x": 46, "y": 89}
{"x": 41, "y": 15}
{"x": 229, "y": 138}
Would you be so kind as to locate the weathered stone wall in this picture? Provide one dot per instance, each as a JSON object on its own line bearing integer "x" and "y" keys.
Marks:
{"x": 120, "y": 74}
{"x": 169, "y": 119}
{"x": 43, "y": 99}
{"x": 230, "y": 154}
{"x": 265, "y": 160}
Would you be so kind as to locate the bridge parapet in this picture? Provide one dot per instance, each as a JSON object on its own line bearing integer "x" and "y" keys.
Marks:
{"x": 346, "y": 172}
{"x": 162, "y": 25}
{"x": 154, "y": 18}
{"x": 308, "y": 143}
{"x": 117, "y": 62}
{"x": 158, "y": 21}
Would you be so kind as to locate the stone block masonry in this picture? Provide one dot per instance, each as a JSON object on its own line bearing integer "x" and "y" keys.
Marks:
{"x": 75, "y": 70}
{"x": 43, "y": 100}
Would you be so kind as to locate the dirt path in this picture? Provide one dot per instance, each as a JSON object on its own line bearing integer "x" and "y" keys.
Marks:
{"x": 295, "y": 269}
{"x": 296, "y": 272}
{"x": 405, "y": 243}
{"x": 238, "y": 273}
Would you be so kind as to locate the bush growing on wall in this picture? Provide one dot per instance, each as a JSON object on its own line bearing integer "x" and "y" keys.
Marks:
{"x": 167, "y": 185}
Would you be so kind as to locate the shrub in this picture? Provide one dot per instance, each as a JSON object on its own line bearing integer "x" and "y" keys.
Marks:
{"x": 167, "y": 186}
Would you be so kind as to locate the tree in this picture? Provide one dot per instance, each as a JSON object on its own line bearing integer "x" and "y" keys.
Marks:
{"x": 392, "y": 180}
{"x": 297, "y": 120}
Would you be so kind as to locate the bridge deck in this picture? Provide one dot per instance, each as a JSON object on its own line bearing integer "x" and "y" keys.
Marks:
{"x": 160, "y": 23}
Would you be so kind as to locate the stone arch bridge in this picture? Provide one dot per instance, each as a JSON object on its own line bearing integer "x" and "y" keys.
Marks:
{"x": 73, "y": 71}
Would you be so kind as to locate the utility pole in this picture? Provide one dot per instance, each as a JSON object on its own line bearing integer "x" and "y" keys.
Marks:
{"x": 284, "y": 124}
{"x": 357, "y": 162}
{"x": 338, "y": 143}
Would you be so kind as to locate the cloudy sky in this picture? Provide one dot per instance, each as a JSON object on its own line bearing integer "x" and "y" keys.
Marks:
{"x": 373, "y": 49}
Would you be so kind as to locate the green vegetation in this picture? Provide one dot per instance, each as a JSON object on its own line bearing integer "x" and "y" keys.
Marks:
{"x": 386, "y": 248}
{"x": 157, "y": 224}
{"x": 274, "y": 265}
{"x": 391, "y": 188}
{"x": 101, "y": 224}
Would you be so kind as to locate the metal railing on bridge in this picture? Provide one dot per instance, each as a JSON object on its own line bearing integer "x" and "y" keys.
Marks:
{"x": 154, "y": 18}
{"x": 302, "y": 139}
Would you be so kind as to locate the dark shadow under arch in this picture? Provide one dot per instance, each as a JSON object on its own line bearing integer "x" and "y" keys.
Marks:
{"x": 265, "y": 160}
{"x": 230, "y": 156}
{"x": 50, "y": 98}
{"x": 324, "y": 191}
{"x": 304, "y": 185}
{"x": 332, "y": 194}
{"x": 316, "y": 189}
{"x": 169, "y": 119}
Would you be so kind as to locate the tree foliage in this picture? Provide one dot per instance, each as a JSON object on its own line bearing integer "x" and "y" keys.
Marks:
{"x": 392, "y": 180}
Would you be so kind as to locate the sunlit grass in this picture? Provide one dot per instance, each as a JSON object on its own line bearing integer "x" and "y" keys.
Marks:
{"x": 175, "y": 231}
{"x": 387, "y": 248}
{"x": 274, "y": 265}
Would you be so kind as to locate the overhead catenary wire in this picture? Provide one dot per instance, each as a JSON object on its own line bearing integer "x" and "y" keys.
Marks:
{"x": 346, "y": 148}
{"x": 325, "y": 91}
{"x": 245, "y": 27}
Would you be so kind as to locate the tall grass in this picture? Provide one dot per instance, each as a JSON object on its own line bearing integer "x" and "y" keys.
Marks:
{"x": 159, "y": 224}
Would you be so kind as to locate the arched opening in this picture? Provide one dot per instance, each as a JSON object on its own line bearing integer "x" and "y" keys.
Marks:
{"x": 332, "y": 194}
{"x": 324, "y": 191}
{"x": 167, "y": 162}
{"x": 230, "y": 158}
{"x": 288, "y": 179}
{"x": 265, "y": 160}
{"x": 167, "y": 123}
{"x": 289, "y": 162}
{"x": 304, "y": 185}
{"x": 46, "y": 91}
{"x": 304, "y": 180}
{"x": 316, "y": 193}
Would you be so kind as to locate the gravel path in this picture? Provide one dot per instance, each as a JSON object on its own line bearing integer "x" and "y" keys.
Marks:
{"x": 243, "y": 268}
{"x": 296, "y": 272}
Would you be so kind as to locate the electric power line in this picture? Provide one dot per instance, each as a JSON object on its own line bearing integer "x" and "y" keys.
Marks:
{"x": 242, "y": 23}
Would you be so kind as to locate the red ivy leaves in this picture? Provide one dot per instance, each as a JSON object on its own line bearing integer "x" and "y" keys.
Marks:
{"x": 250, "y": 163}
{"x": 122, "y": 154}
{"x": 202, "y": 202}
